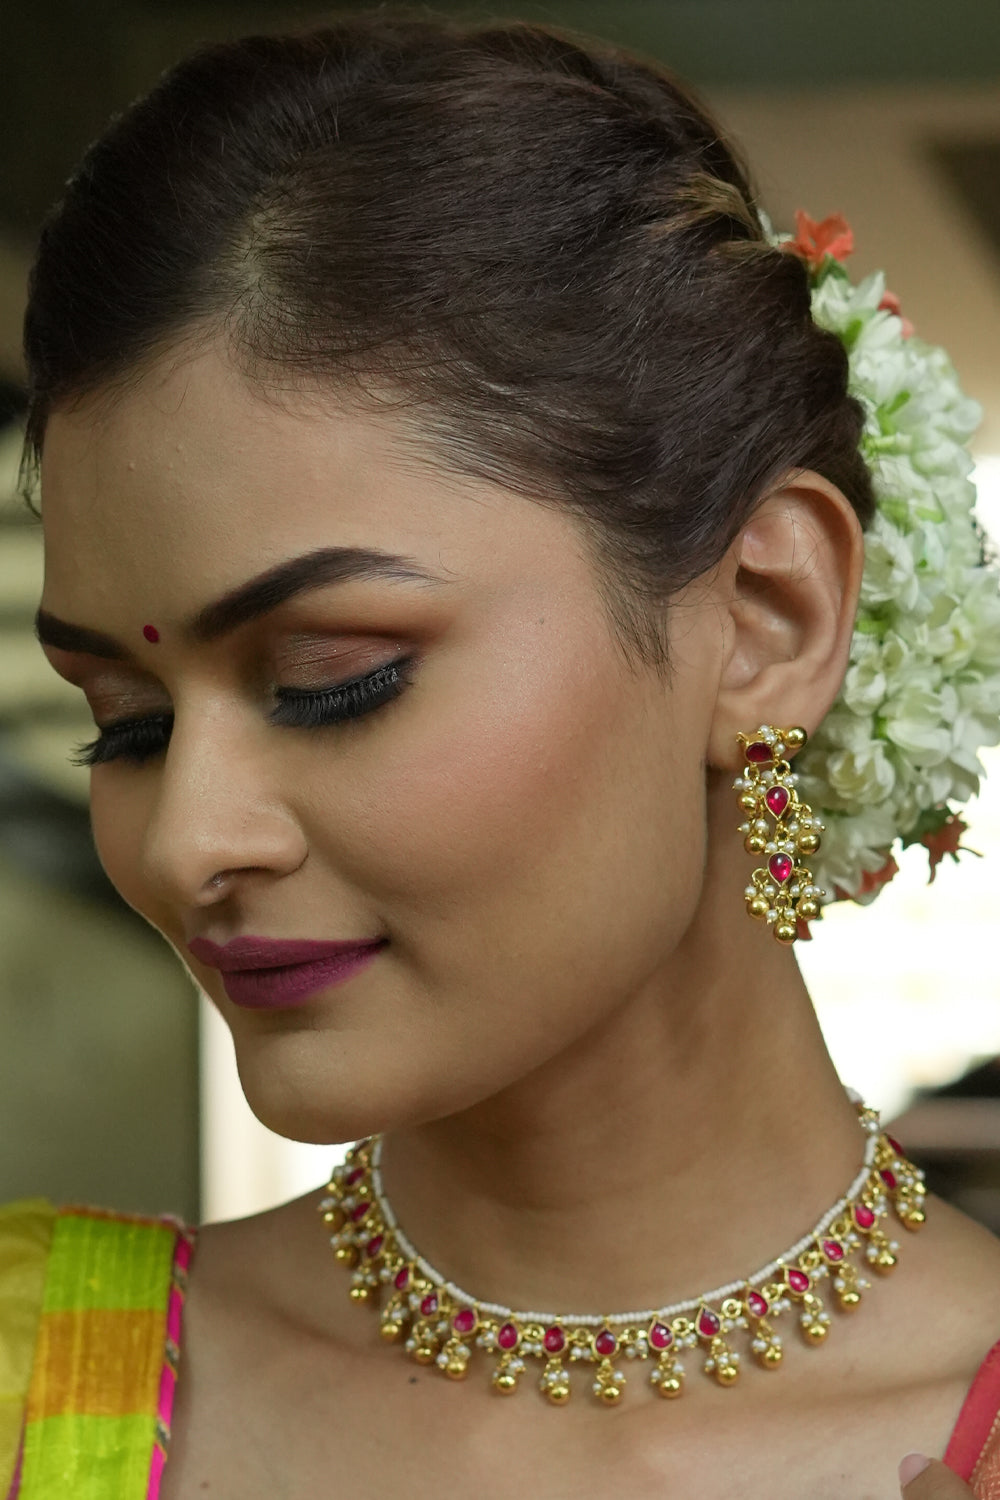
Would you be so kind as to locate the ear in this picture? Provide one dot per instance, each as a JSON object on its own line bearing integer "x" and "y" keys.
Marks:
{"x": 789, "y": 588}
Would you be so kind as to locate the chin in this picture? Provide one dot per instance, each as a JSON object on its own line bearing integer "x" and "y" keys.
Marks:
{"x": 317, "y": 1111}
{"x": 329, "y": 1101}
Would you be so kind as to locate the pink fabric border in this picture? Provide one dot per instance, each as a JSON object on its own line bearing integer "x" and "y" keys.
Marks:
{"x": 183, "y": 1251}
{"x": 976, "y": 1418}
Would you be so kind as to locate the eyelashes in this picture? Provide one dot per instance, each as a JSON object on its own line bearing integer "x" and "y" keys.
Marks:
{"x": 137, "y": 740}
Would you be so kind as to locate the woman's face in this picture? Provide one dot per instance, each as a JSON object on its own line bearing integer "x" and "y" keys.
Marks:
{"x": 523, "y": 823}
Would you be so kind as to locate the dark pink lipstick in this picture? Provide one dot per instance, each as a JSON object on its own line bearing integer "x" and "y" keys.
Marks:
{"x": 265, "y": 974}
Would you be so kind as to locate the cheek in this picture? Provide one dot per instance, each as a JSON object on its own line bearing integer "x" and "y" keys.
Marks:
{"x": 118, "y": 815}
{"x": 527, "y": 818}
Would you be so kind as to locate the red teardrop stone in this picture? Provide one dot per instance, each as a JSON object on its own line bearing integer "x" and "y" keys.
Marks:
{"x": 759, "y": 751}
{"x": 554, "y": 1340}
{"x": 402, "y": 1279}
{"x": 429, "y": 1305}
{"x": 375, "y": 1245}
{"x": 895, "y": 1145}
{"x": 359, "y": 1210}
{"x": 777, "y": 798}
{"x": 780, "y": 866}
{"x": 798, "y": 1280}
{"x": 508, "y": 1336}
{"x": 757, "y": 1304}
{"x": 889, "y": 1178}
{"x": 355, "y": 1175}
{"x": 864, "y": 1217}
{"x": 605, "y": 1343}
{"x": 660, "y": 1336}
{"x": 464, "y": 1321}
{"x": 833, "y": 1250}
{"x": 708, "y": 1323}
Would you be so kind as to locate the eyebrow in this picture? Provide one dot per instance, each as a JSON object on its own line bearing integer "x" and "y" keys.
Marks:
{"x": 248, "y": 601}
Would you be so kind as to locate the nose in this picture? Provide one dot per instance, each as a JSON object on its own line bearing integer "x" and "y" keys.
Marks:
{"x": 219, "y": 812}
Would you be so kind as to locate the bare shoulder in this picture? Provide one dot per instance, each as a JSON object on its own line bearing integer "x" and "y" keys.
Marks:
{"x": 932, "y": 1323}
{"x": 957, "y": 1261}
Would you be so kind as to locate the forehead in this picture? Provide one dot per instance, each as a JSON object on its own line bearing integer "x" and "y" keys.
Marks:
{"x": 166, "y": 492}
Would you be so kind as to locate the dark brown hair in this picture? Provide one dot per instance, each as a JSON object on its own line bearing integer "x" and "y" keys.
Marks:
{"x": 541, "y": 244}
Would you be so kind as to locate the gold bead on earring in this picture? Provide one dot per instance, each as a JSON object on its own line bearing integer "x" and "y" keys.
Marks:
{"x": 781, "y": 892}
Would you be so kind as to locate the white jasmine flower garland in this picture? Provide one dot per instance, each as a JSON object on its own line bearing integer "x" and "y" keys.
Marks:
{"x": 922, "y": 692}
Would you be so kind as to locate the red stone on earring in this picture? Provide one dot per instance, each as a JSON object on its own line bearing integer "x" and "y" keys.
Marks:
{"x": 798, "y": 1281}
{"x": 429, "y": 1305}
{"x": 554, "y": 1340}
{"x": 780, "y": 866}
{"x": 508, "y": 1336}
{"x": 777, "y": 798}
{"x": 833, "y": 1250}
{"x": 605, "y": 1343}
{"x": 660, "y": 1336}
{"x": 863, "y": 1216}
{"x": 151, "y": 633}
{"x": 464, "y": 1321}
{"x": 759, "y": 751}
{"x": 402, "y": 1279}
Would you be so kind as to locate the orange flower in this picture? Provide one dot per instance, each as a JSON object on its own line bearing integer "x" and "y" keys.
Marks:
{"x": 870, "y": 880}
{"x": 944, "y": 840}
{"x": 814, "y": 241}
{"x": 890, "y": 303}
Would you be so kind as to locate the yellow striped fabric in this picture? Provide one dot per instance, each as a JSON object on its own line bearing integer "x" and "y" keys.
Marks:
{"x": 92, "y": 1402}
{"x": 25, "y": 1235}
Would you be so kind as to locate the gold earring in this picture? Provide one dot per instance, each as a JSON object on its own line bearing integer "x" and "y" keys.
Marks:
{"x": 781, "y": 892}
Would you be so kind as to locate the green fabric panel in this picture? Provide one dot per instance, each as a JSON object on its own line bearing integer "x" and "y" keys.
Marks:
{"x": 105, "y": 1263}
{"x": 25, "y": 1235}
{"x": 87, "y": 1458}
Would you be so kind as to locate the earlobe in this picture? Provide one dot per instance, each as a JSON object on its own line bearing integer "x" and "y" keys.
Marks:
{"x": 794, "y": 576}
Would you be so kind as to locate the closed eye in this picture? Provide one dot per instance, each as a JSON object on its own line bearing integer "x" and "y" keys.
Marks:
{"x": 138, "y": 739}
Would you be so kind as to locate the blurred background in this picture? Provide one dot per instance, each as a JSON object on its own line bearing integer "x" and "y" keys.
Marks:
{"x": 117, "y": 1085}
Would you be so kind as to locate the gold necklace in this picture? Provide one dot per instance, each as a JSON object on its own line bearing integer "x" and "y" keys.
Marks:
{"x": 441, "y": 1325}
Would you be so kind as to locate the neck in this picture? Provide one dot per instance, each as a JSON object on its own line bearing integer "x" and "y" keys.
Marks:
{"x": 692, "y": 1138}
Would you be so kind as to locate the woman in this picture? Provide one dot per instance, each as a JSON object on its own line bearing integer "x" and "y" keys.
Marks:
{"x": 450, "y": 372}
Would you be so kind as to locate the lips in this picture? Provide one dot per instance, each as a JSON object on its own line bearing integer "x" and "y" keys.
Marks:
{"x": 265, "y": 974}
{"x": 270, "y": 953}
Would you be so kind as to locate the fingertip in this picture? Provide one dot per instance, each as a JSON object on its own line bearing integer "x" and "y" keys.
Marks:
{"x": 912, "y": 1465}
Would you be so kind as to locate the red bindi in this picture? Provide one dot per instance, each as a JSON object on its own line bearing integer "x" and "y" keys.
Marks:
{"x": 151, "y": 633}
